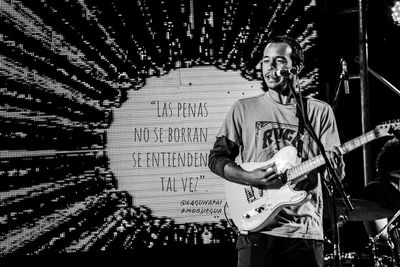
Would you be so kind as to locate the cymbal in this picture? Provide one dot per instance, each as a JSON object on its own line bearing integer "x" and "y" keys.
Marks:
{"x": 364, "y": 210}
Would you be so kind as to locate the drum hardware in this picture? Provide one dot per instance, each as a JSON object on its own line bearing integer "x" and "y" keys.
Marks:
{"x": 364, "y": 210}
{"x": 374, "y": 246}
{"x": 377, "y": 255}
{"x": 394, "y": 233}
{"x": 375, "y": 238}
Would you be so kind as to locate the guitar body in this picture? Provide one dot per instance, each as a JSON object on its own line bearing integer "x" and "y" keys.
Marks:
{"x": 253, "y": 208}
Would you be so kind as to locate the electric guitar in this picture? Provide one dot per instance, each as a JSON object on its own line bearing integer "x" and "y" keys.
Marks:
{"x": 252, "y": 207}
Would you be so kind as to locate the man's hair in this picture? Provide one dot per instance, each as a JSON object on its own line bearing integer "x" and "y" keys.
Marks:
{"x": 297, "y": 55}
{"x": 388, "y": 158}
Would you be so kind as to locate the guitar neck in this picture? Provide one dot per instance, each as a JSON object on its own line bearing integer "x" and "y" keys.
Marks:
{"x": 311, "y": 164}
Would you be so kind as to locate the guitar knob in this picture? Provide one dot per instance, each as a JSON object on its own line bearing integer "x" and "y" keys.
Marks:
{"x": 260, "y": 209}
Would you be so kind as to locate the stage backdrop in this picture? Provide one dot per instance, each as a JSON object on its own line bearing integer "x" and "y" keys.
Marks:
{"x": 159, "y": 141}
{"x": 108, "y": 102}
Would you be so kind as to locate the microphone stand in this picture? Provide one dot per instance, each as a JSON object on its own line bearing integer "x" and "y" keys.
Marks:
{"x": 339, "y": 87}
{"x": 335, "y": 182}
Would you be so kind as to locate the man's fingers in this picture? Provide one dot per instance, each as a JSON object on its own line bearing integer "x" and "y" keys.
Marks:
{"x": 271, "y": 177}
{"x": 269, "y": 166}
{"x": 269, "y": 171}
{"x": 335, "y": 156}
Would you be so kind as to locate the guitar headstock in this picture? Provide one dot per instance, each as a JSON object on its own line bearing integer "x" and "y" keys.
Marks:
{"x": 389, "y": 128}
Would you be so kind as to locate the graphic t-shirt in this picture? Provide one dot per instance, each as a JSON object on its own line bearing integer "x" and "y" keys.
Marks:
{"x": 260, "y": 126}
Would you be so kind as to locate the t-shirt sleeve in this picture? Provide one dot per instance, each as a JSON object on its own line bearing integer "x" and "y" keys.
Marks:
{"x": 232, "y": 124}
{"x": 329, "y": 131}
{"x": 223, "y": 152}
{"x": 227, "y": 144}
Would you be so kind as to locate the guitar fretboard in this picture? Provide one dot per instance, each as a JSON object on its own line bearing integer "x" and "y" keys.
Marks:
{"x": 319, "y": 160}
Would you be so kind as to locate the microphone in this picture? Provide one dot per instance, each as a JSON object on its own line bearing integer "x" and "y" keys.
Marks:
{"x": 283, "y": 72}
{"x": 345, "y": 77}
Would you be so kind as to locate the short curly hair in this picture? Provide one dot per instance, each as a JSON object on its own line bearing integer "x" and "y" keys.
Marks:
{"x": 388, "y": 158}
{"x": 297, "y": 55}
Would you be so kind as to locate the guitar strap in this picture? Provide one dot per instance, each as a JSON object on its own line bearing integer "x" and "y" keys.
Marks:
{"x": 300, "y": 133}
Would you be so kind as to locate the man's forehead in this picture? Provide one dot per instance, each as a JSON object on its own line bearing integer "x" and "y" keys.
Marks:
{"x": 278, "y": 48}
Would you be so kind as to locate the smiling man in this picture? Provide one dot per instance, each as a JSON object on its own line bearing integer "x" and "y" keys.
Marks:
{"x": 259, "y": 127}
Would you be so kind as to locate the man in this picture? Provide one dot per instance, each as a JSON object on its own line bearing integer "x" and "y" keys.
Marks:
{"x": 385, "y": 191}
{"x": 258, "y": 127}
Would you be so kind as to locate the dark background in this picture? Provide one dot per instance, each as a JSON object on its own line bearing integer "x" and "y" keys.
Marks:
{"x": 339, "y": 34}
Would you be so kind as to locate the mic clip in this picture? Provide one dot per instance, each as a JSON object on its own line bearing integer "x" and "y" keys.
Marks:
{"x": 344, "y": 76}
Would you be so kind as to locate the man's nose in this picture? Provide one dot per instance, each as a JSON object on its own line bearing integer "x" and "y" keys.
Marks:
{"x": 270, "y": 65}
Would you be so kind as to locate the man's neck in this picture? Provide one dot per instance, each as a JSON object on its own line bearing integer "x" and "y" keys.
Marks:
{"x": 284, "y": 98}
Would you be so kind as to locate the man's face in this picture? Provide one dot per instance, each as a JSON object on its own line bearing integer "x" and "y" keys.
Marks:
{"x": 276, "y": 56}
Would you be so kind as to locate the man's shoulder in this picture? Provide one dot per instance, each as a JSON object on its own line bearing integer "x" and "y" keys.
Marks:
{"x": 373, "y": 187}
{"x": 318, "y": 104}
{"x": 249, "y": 101}
{"x": 376, "y": 183}
{"x": 252, "y": 98}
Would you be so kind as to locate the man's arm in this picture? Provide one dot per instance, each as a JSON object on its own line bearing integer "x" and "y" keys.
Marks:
{"x": 222, "y": 162}
{"x": 224, "y": 151}
{"x": 336, "y": 160}
{"x": 331, "y": 142}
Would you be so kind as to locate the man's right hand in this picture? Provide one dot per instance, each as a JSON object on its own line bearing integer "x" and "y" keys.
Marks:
{"x": 264, "y": 175}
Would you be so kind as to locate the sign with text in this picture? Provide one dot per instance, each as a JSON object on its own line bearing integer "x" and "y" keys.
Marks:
{"x": 160, "y": 139}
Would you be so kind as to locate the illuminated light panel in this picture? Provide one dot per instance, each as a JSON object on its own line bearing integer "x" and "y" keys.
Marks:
{"x": 396, "y": 13}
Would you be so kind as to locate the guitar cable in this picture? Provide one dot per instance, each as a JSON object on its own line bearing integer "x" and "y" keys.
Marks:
{"x": 231, "y": 224}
